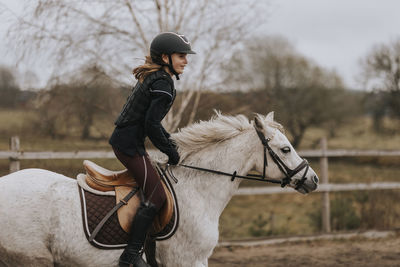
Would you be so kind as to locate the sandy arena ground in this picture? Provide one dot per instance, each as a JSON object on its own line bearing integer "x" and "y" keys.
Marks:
{"x": 346, "y": 252}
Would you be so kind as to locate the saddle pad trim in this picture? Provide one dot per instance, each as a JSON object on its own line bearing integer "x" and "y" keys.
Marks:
{"x": 175, "y": 225}
{"x": 86, "y": 226}
{"x": 81, "y": 179}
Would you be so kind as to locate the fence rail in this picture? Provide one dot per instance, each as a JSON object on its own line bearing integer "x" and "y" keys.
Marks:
{"x": 15, "y": 154}
{"x": 321, "y": 188}
{"x": 22, "y": 155}
{"x": 349, "y": 153}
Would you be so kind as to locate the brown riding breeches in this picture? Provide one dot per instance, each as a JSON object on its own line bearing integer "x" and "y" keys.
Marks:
{"x": 146, "y": 176}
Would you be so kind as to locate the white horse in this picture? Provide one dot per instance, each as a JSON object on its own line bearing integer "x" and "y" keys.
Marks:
{"x": 40, "y": 211}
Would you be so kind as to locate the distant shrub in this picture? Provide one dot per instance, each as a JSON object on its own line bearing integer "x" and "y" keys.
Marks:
{"x": 343, "y": 214}
{"x": 378, "y": 209}
{"x": 267, "y": 227}
{"x": 260, "y": 227}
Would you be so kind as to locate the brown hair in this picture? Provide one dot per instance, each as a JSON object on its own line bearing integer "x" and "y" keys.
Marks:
{"x": 147, "y": 68}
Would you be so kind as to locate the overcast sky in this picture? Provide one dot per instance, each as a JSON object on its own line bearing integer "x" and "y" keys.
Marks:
{"x": 334, "y": 33}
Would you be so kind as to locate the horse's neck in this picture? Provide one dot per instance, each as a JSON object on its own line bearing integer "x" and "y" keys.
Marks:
{"x": 229, "y": 156}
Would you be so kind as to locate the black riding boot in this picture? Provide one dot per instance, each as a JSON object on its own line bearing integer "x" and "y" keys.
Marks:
{"x": 132, "y": 255}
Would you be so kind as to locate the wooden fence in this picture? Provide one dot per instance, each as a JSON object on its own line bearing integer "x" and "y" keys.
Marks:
{"x": 15, "y": 154}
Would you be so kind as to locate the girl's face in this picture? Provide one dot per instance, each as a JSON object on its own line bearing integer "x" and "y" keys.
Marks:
{"x": 179, "y": 61}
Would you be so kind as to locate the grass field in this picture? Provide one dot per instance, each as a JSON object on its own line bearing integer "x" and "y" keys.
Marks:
{"x": 254, "y": 216}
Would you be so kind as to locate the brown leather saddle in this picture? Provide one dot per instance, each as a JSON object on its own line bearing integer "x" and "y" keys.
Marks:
{"x": 124, "y": 185}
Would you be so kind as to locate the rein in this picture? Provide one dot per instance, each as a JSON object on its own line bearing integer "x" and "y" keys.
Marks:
{"x": 234, "y": 175}
{"x": 289, "y": 173}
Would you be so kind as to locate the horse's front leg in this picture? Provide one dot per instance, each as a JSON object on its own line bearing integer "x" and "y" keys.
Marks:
{"x": 206, "y": 240}
{"x": 190, "y": 246}
{"x": 202, "y": 263}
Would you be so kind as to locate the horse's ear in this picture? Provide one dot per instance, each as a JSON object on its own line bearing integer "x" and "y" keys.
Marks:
{"x": 258, "y": 123}
{"x": 270, "y": 116}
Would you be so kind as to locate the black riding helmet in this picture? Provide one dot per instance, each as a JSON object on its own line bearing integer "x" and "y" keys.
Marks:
{"x": 169, "y": 43}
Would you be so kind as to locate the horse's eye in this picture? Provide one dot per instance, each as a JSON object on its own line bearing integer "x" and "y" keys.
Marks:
{"x": 285, "y": 149}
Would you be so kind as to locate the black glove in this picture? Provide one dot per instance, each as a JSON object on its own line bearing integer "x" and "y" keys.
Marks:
{"x": 173, "y": 157}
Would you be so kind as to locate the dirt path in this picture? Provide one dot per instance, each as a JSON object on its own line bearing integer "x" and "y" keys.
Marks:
{"x": 350, "y": 252}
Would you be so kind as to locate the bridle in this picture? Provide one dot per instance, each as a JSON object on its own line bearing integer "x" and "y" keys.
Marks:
{"x": 289, "y": 173}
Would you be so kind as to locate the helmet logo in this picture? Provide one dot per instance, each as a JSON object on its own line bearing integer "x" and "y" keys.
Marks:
{"x": 184, "y": 38}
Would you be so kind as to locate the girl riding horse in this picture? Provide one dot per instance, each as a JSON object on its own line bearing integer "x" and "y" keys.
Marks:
{"x": 141, "y": 116}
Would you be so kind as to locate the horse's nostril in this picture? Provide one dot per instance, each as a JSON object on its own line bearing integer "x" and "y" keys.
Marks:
{"x": 315, "y": 179}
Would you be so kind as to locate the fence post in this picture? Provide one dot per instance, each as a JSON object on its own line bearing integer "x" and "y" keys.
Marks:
{"x": 326, "y": 211}
{"x": 14, "y": 146}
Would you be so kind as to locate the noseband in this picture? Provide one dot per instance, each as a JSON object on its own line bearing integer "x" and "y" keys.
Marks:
{"x": 289, "y": 173}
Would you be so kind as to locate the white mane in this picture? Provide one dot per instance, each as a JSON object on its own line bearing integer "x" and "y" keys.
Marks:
{"x": 219, "y": 128}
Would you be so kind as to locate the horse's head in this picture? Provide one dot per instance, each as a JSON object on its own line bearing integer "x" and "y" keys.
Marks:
{"x": 281, "y": 159}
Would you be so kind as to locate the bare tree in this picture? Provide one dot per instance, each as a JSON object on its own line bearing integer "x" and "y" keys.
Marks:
{"x": 302, "y": 93}
{"x": 381, "y": 73}
{"x": 9, "y": 90}
{"x": 73, "y": 108}
{"x": 114, "y": 33}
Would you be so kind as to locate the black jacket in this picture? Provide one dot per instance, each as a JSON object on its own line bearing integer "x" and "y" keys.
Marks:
{"x": 142, "y": 114}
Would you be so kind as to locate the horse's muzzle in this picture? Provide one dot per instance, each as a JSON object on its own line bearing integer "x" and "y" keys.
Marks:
{"x": 309, "y": 185}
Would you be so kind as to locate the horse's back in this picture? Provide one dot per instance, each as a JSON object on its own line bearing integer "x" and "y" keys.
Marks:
{"x": 30, "y": 187}
{"x": 26, "y": 191}
{"x": 31, "y": 177}
{"x": 41, "y": 222}
{"x": 28, "y": 214}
